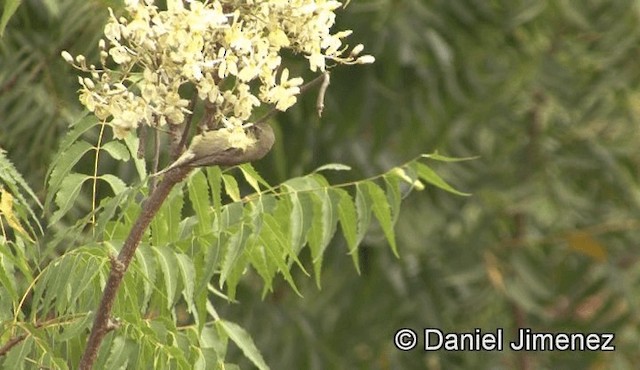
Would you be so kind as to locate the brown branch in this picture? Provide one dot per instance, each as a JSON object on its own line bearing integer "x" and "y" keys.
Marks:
{"x": 102, "y": 323}
{"x": 11, "y": 343}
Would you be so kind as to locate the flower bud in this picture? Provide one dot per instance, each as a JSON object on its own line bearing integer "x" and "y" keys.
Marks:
{"x": 357, "y": 50}
{"x": 67, "y": 57}
{"x": 366, "y": 59}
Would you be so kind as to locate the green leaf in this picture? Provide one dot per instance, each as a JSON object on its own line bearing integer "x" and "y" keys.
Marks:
{"x": 210, "y": 263}
{"x": 233, "y": 264}
{"x": 349, "y": 224}
{"x": 429, "y": 175}
{"x": 85, "y": 273}
{"x": 276, "y": 248}
{"x": 253, "y": 177}
{"x": 325, "y": 206}
{"x": 16, "y": 358}
{"x": 61, "y": 171}
{"x": 363, "y": 210}
{"x": 301, "y": 216}
{"x": 7, "y": 278}
{"x": 214, "y": 175}
{"x": 165, "y": 227}
{"x": 117, "y": 150}
{"x": 199, "y": 197}
{"x": 392, "y": 186}
{"x": 243, "y": 340}
{"x": 438, "y": 157}
{"x": 169, "y": 266}
{"x": 108, "y": 208}
{"x": 10, "y": 7}
{"x": 231, "y": 187}
{"x": 66, "y": 197}
{"x": 188, "y": 274}
{"x": 117, "y": 186}
{"x": 119, "y": 354}
{"x": 258, "y": 259}
{"x": 332, "y": 167}
{"x": 10, "y": 176}
{"x": 75, "y": 328}
{"x": 146, "y": 264}
{"x": 133, "y": 143}
{"x": 382, "y": 212}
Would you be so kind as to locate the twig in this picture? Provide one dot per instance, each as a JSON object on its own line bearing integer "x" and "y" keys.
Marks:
{"x": 102, "y": 323}
{"x": 322, "y": 92}
{"x": 11, "y": 343}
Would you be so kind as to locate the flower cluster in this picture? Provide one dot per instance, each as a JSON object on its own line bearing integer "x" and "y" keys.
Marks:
{"x": 229, "y": 50}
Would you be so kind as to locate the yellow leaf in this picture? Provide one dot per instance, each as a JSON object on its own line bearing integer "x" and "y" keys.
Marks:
{"x": 493, "y": 271}
{"x": 6, "y": 210}
{"x": 586, "y": 244}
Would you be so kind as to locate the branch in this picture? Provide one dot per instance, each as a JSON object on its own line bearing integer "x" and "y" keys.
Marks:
{"x": 11, "y": 343}
{"x": 102, "y": 323}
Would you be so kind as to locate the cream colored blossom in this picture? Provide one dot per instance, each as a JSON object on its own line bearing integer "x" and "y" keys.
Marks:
{"x": 228, "y": 52}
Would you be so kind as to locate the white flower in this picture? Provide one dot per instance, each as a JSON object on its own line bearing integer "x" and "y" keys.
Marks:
{"x": 232, "y": 60}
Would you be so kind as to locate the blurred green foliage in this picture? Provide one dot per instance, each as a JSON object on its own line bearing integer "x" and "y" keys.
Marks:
{"x": 544, "y": 92}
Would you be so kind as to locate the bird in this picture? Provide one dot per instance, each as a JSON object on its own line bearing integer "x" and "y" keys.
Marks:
{"x": 213, "y": 148}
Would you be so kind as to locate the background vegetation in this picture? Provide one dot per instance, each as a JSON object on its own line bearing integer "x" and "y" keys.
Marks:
{"x": 544, "y": 92}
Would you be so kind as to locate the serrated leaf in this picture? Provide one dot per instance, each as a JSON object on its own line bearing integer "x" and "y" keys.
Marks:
{"x": 6, "y": 210}
{"x": 66, "y": 196}
{"x": 77, "y": 129}
{"x": 84, "y": 275}
{"x": 199, "y": 197}
{"x": 188, "y": 273}
{"x": 109, "y": 206}
{"x": 363, "y": 211}
{"x": 382, "y": 212}
{"x": 232, "y": 264}
{"x": 16, "y": 358}
{"x": 323, "y": 228}
{"x": 333, "y": 167}
{"x": 118, "y": 354}
{"x": 117, "y": 150}
{"x": 243, "y": 340}
{"x": 275, "y": 244}
{"x": 349, "y": 224}
{"x": 231, "y": 215}
{"x": 429, "y": 175}
{"x": 214, "y": 176}
{"x": 438, "y": 157}
{"x": 258, "y": 260}
{"x": 210, "y": 263}
{"x": 133, "y": 143}
{"x": 299, "y": 220}
{"x": 253, "y": 177}
{"x": 147, "y": 268}
{"x": 165, "y": 227}
{"x": 169, "y": 266}
{"x": 394, "y": 197}
{"x": 7, "y": 278}
{"x": 11, "y": 177}
{"x": 61, "y": 169}
{"x": 117, "y": 185}
{"x": 75, "y": 328}
{"x": 231, "y": 187}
